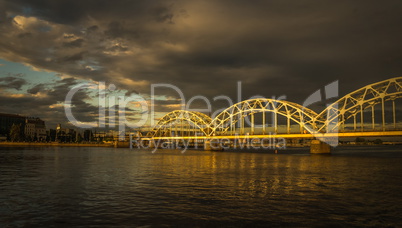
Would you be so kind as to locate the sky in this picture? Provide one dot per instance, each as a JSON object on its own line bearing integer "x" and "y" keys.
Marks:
{"x": 271, "y": 48}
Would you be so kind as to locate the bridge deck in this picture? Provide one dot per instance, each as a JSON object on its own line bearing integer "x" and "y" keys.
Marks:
{"x": 308, "y": 135}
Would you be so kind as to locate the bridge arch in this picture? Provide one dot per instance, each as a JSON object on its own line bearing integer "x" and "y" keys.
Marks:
{"x": 181, "y": 120}
{"x": 227, "y": 119}
{"x": 354, "y": 105}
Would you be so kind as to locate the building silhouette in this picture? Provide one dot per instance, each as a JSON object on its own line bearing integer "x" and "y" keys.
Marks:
{"x": 31, "y": 128}
{"x": 35, "y": 129}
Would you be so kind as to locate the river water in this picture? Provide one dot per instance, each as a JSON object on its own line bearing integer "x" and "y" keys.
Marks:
{"x": 108, "y": 187}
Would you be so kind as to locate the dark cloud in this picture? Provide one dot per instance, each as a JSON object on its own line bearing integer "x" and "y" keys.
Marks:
{"x": 92, "y": 28}
{"x": 12, "y": 83}
{"x": 74, "y": 44}
{"x": 204, "y": 47}
{"x": 60, "y": 88}
{"x": 130, "y": 92}
{"x": 162, "y": 14}
{"x": 49, "y": 103}
{"x": 72, "y": 58}
{"x": 24, "y": 35}
{"x": 74, "y": 12}
{"x": 36, "y": 89}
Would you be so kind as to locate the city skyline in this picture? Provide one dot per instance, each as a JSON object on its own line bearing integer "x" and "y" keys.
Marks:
{"x": 203, "y": 48}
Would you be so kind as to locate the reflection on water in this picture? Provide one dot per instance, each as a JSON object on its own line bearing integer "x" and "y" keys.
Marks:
{"x": 94, "y": 187}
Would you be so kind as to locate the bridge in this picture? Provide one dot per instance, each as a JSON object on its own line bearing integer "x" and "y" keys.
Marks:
{"x": 371, "y": 111}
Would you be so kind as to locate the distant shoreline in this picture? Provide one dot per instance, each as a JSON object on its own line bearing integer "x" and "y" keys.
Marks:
{"x": 36, "y": 144}
{"x": 127, "y": 145}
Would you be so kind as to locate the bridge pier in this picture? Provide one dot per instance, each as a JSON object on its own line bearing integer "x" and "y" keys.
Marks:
{"x": 211, "y": 145}
{"x": 319, "y": 147}
{"x": 151, "y": 144}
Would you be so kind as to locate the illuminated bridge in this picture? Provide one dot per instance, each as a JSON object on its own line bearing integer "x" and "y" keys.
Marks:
{"x": 371, "y": 111}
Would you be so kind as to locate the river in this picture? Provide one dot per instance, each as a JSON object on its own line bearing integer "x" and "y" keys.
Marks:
{"x": 109, "y": 187}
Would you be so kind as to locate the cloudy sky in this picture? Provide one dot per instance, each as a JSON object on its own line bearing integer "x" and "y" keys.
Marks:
{"x": 202, "y": 47}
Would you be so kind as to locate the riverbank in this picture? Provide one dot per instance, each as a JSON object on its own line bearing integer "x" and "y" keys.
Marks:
{"x": 34, "y": 144}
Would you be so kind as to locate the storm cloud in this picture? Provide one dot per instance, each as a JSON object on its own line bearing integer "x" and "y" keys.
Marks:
{"x": 274, "y": 48}
{"x": 12, "y": 83}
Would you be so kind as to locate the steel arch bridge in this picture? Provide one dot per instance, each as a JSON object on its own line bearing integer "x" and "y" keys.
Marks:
{"x": 180, "y": 122}
{"x": 353, "y": 106}
{"x": 226, "y": 121}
